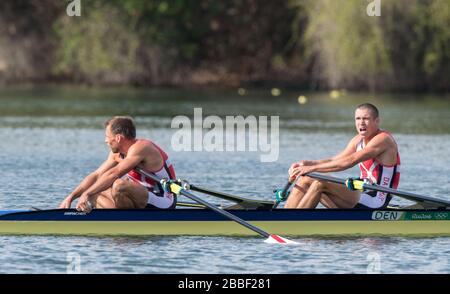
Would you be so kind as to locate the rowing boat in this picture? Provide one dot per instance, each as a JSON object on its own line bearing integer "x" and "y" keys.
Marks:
{"x": 246, "y": 217}
{"x": 184, "y": 221}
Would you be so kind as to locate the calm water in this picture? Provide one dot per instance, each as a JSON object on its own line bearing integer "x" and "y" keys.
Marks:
{"x": 51, "y": 138}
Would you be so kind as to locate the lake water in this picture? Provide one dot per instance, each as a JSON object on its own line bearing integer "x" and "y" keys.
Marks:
{"x": 52, "y": 137}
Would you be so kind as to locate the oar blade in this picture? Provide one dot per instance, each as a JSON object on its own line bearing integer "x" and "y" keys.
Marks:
{"x": 275, "y": 239}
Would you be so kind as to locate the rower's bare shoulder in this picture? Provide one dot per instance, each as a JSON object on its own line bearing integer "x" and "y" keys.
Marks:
{"x": 383, "y": 139}
{"x": 144, "y": 146}
{"x": 114, "y": 156}
{"x": 355, "y": 140}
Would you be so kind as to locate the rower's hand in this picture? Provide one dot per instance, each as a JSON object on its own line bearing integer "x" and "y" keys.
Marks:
{"x": 298, "y": 170}
{"x": 306, "y": 162}
{"x": 67, "y": 202}
{"x": 301, "y": 163}
{"x": 293, "y": 174}
{"x": 291, "y": 171}
{"x": 83, "y": 204}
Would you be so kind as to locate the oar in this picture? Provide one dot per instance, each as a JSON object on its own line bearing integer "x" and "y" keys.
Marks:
{"x": 361, "y": 185}
{"x": 190, "y": 204}
{"x": 241, "y": 201}
{"x": 177, "y": 189}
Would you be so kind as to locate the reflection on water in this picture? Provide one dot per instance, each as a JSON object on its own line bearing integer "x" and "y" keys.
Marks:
{"x": 222, "y": 255}
{"x": 52, "y": 138}
{"x": 87, "y": 108}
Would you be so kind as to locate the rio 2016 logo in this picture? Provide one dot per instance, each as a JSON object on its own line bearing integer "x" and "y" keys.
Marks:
{"x": 441, "y": 215}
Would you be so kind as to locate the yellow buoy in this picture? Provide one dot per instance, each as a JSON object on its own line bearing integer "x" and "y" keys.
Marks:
{"x": 335, "y": 94}
{"x": 242, "y": 91}
{"x": 302, "y": 99}
{"x": 275, "y": 92}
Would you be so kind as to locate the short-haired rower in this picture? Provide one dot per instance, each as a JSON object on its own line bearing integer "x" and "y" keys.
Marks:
{"x": 117, "y": 183}
{"x": 373, "y": 149}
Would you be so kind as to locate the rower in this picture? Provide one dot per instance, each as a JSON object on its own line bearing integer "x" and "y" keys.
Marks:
{"x": 117, "y": 183}
{"x": 373, "y": 149}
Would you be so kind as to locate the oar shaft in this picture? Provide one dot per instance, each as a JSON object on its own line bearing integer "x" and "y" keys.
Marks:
{"x": 215, "y": 193}
{"x": 241, "y": 201}
{"x": 180, "y": 190}
{"x": 286, "y": 188}
{"x": 190, "y": 204}
{"x": 326, "y": 178}
{"x": 225, "y": 213}
{"x": 407, "y": 195}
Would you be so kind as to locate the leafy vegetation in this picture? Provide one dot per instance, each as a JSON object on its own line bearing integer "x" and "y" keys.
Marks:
{"x": 314, "y": 44}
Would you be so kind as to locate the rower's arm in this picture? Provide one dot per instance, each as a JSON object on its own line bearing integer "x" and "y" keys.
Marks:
{"x": 92, "y": 177}
{"x": 376, "y": 146}
{"x": 349, "y": 149}
{"x": 134, "y": 157}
